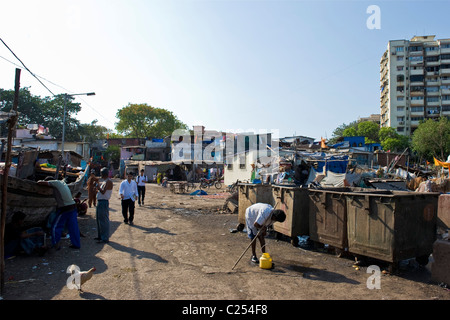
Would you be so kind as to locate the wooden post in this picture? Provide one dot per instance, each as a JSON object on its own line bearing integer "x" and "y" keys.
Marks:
{"x": 12, "y": 122}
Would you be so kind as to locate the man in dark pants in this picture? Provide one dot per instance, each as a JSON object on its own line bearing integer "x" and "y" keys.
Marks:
{"x": 128, "y": 193}
{"x": 141, "y": 180}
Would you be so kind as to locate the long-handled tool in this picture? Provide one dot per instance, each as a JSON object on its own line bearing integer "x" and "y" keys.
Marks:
{"x": 246, "y": 249}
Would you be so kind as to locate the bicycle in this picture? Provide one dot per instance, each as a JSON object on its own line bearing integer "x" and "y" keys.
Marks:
{"x": 190, "y": 186}
{"x": 232, "y": 188}
{"x": 205, "y": 183}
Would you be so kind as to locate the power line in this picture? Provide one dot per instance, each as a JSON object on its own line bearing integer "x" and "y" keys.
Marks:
{"x": 26, "y": 66}
{"x": 66, "y": 90}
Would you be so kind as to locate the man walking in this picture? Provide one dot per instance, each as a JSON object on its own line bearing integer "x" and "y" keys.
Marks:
{"x": 141, "y": 180}
{"x": 128, "y": 193}
{"x": 104, "y": 192}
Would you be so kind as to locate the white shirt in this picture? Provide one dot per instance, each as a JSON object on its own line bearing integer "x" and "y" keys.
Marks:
{"x": 260, "y": 213}
{"x": 129, "y": 190}
{"x": 107, "y": 194}
{"x": 141, "y": 180}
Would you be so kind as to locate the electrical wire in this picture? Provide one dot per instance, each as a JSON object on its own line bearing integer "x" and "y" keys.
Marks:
{"x": 66, "y": 90}
{"x": 26, "y": 66}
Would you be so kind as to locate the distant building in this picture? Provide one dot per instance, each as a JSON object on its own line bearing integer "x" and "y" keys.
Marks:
{"x": 414, "y": 82}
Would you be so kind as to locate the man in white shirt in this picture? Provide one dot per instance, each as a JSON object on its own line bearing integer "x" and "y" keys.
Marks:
{"x": 258, "y": 217}
{"x": 141, "y": 180}
{"x": 128, "y": 193}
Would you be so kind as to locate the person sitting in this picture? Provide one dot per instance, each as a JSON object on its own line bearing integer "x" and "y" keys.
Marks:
{"x": 18, "y": 239}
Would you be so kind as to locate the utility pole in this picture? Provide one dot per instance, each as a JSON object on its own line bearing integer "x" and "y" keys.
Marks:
{"x": 12, "y": 122}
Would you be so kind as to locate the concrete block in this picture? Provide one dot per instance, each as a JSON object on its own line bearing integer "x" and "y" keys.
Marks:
{"x": 440, "y": 267}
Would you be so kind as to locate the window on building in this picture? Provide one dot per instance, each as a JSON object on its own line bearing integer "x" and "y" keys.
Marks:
{"x": 399, "y": 58}
{"x": 432, "y": 99}
{"x": 416, "y": 118}
{"x": 431, "y": 48}
{"x": 445, "y": 97}
{"x": 399, "y": 49}
{"x": 417, "y": 77}
{"x": 416, "y": 58}
{"x": 415, "y": 48}
{"x": 432, "y": 59}
{"x": 432, "y": 89}
{"x": 416, "y": 109}
{"x": 416, "y": 98}
{"x": 400, "y": 89}
{"x": 400, "y": 129}
{"x": 445, "y": 56}
{"x": 400, "y": 109}
{"x": 445, "y": 108}
{"x": 400, "y": 98}
{"x": 400, "y": 68}
{"x": 445, "y": 45}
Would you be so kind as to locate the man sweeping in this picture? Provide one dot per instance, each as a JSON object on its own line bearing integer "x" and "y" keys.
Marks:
{"x": 258, "y": 217}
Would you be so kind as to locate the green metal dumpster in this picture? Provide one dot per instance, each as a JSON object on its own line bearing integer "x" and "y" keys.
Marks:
{"x": 328, "y": 214}
{"x": 250, "y": 194}
{"x": 392, "y": 227}
{"x": 294, "y": 202}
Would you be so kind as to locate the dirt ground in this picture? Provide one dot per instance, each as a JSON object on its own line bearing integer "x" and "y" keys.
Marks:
{"x": 181, "y": 248}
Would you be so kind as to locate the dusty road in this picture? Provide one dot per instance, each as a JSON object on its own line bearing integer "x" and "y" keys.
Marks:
{"x": 181, "y": 248}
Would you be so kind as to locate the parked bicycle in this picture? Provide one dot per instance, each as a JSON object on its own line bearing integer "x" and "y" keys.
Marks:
{"x": 206, "y": 183}
{"x": 189, "y": 186}
{"x": 232, "y": 188}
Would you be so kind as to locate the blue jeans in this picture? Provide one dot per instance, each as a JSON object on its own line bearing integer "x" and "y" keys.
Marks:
{"x": 102, "y": 217}
{"x": 72, "y": 224}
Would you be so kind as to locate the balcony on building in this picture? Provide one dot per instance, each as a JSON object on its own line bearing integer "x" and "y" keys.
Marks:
{"x": 445, "y": 70}
{"x": 445, "y": 50}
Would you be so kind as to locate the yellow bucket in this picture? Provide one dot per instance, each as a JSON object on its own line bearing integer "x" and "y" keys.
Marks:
{"x": 265, "y": 262}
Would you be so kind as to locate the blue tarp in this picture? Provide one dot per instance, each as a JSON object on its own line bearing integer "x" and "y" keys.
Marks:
{"x": 198, "y": 193}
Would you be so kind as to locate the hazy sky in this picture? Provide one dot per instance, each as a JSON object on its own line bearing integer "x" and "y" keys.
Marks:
{"x": 300, "y": 67}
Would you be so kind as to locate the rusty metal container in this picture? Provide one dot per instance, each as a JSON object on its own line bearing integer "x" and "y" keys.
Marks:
{"x": 392, "y": 227}
{"x": 294, "y": 202}
{"x": 328, "y": 214}
{"x": 250, "y": 194}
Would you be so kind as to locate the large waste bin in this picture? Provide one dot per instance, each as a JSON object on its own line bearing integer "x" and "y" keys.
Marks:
{"x": 250, "y": 194}
{"x": 294, "y": 202}
{"x": 392, "y": 227}
{"x": 328, "y": 214}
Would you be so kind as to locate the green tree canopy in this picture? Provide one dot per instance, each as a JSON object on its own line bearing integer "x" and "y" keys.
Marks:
{"x": 144, "y": 121}
{"x": 432, "y": 139}
{"x": 369, "y": 129}
{"x": 391, "y": 140}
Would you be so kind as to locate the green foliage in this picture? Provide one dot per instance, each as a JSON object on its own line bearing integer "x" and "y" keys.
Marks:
{"x": 144, "y": 121}
{"x": 369, "y": 130}
{"x": 113, "y": 154}
{"x": 391, "y": 140}
{"x": 339, "y": 131}
{"x": 47, "y": 111}
{"x": 350, "y": 132}
{"x": 432, "y": 139}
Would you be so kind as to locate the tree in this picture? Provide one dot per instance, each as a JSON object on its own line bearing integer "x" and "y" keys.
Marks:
{"x": 368, "y": 129}
{"x": 339, "y": 131}
{"x": 432, "y": 139}
{"x": 350, "y": 132}
{"x": 144, "y": 121}
{"x": 91, "y": 132}
{"x": 391, "y": 140}
{"x": 47, "y": 111}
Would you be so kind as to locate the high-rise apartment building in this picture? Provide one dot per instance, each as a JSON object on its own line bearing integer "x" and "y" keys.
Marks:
{"x": 414, "y": 82}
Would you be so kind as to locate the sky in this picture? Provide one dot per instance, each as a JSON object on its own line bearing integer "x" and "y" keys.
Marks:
{"x": 289, "y": 67}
